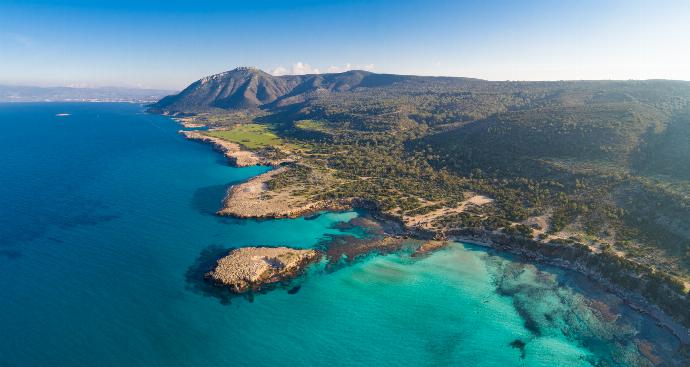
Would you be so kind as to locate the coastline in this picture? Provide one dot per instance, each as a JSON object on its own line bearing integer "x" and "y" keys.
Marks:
{"x": 233, "y": 152}
{"x": 635, "y": 301}
{"x": 241, "y": 202}
{"x": 253, "y": 199}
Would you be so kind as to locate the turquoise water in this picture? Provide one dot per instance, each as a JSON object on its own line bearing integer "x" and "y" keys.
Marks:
{"x": 107, "y": 215}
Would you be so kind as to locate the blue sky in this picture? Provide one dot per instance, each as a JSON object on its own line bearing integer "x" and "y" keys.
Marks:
{"x": 168, "y": 44}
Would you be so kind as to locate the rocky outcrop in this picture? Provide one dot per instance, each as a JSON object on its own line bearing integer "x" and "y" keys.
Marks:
{"x": 233, "y": 152}
{"x": 429, "y": 247}
{"x": 250, "y": 268}
{"x": 188, "y": 122}
{"x": 253, "y": 199}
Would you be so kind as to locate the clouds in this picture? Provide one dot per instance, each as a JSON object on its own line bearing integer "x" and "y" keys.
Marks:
{"x": 280, "y": 70}
{"x": 301, "y": 68}
{"x": 298, "y": 68}
{"x": 348, "y": 66}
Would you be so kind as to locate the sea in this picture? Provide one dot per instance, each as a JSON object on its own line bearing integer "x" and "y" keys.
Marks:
{"x": 107, "y": 224}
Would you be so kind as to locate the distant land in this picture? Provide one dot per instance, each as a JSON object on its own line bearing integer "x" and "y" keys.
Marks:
{"x": 11, "y": 93}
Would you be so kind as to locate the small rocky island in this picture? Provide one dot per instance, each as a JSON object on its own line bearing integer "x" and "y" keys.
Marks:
{"x": 250, "y": 268}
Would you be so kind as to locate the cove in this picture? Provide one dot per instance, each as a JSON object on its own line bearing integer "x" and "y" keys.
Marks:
{"x": 107, "y": 211}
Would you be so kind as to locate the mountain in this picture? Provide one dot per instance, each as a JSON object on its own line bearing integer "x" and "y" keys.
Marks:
{"x": 248, "y": 88}
{"x": 236, "y": 89}
{"x": 10, "y": 93}
{"x": 251, "y": 88}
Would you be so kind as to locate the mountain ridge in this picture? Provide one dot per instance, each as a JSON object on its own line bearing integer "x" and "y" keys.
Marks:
{"x": 252, "y": 88}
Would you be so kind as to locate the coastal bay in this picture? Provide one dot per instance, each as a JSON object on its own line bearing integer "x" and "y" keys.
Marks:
{"x": 102, "y": 263}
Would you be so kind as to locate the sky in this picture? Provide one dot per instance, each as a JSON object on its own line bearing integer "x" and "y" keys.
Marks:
{"x": 169, "y": 44}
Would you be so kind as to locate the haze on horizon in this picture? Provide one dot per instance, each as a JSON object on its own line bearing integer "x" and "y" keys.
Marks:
{"x": 168, "y": 44}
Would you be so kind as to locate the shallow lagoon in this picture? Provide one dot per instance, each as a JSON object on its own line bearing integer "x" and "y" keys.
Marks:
{"x": 107, "y": 212}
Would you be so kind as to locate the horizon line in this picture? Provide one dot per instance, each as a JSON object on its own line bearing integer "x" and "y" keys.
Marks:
{"x": 105, "y": 86}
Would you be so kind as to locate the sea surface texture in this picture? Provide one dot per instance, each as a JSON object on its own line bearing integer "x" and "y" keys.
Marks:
{"x": 107, "y": 225}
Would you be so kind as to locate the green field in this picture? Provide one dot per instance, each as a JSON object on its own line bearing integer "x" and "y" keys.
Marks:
{"x": 311, "y": 125}
{"x": 251, "y": 136}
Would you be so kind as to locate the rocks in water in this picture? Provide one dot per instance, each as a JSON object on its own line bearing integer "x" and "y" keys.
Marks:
{"x": 345, "y": 249}
{"x": 520, "y": 345}
{"x": 428, "y": 247}
{"x": 250, "y": 268}
{"x": 313, "y": 216}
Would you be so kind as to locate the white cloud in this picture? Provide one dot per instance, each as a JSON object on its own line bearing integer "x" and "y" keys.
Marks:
{"x": 300, "y": 68}
{"x": 348, "y": 67}
{"x": 280, "y": 70}
{"x": 338, "y": 69}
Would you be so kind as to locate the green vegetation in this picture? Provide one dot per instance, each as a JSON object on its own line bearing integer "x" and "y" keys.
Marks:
{"x": 311, "y": 125}
{"x": 298, "y": 175}
{"x": 223, "y": 118}
{"x": 601, "y": 165}
{"x": 586, "y": 164}
{"x": 251, "y": 136}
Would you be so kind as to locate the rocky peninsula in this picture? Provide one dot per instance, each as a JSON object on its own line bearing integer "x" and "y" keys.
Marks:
{"x": 255, "y": 199}
{"x": 233, "y": 152}
{"x": 251, "y": 268}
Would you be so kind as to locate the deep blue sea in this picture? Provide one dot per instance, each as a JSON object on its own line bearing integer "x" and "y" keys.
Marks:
{"x": 107, "y": 217}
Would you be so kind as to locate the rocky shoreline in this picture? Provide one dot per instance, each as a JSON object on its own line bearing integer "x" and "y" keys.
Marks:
{"x": 233, "y": 152}
{"x": 253, "y": 199}
{"x": 498, "y": 241}
{"x": 251, "y": 268}
{"x": 506, "y": 244}
{"x": 188, "y": 122}
{"x": 510, "y": 244}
